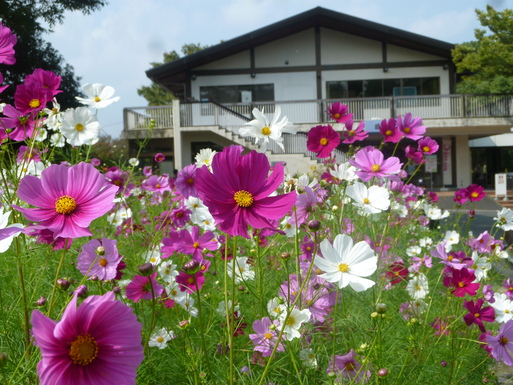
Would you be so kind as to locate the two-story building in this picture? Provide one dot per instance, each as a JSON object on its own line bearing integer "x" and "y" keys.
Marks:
{"x": 303, "y": 64}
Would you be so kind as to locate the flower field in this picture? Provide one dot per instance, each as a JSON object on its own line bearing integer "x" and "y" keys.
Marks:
{"x": 233, "y": 271}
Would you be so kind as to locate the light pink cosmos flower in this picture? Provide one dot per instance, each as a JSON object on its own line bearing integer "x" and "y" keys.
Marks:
{"x": 372, "y": 163}
{"x": 427, "y": 146}
{"x": 238, "y": 191}
{"x": 141, "y": 288}
{"x": 410, "y": 127}
{"x": 99, "y": 258}
{"x": 265, "y": 337}
{"x": 92, "y": 344}
{"x": 68, "y": 198}
{"x": 352, "y": 135}
{"x": 185, "y": 181}
{"x": 502, "y": 343}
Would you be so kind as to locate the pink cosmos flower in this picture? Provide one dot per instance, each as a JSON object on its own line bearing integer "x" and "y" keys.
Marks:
{"x": 322, "y": 140}
{"x": 27, "y": 154}
{"x": 447, "y": 259}
{"x": 305, "y": 205}
{"x": 141, "y": 288}
{"x": 47, "y": 80}
{"x": 440, "y": 325}
{"x": 389, "y": 130}
{"x": 508, "y": 285}
{"x": 475, "y": 193}
{"x": 410, "y": 127}
{"x": 462, "y": 282}
{"x": 372, "y": 163}
{"x": 92, "y": 344}
{"x": 185, "y": 181}
{"x": 99, "y": 258}
{"x": 347, "y": 368}
{"x": 461, "y": 196}
{"x": 68, "y": 198}
{"x": 502, "y": 344}
{"x": 411, "y": 153}
{"x": 265, "y": 338}
{"x": 339, "y": 112}
{"x": 237, "y": 191}
{"x": 190, "y": 282}
{"x": 21, "y": 126}
{"x": 427, "y": 146}
{"x": 2, "y": 88}
{"x": 7, "y": 42}
{"x": 31, "y": 98}
{"x": 156, "y": 183}
{"x": 159, "y": 158}
{"x": 357, "y": 134}
{"x": 477, "y": 313}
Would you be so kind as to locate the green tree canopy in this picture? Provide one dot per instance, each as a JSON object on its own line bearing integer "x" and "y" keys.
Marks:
{"x": 156, "y": 95}
{"x": 486, "y": 64}
{"x": 29, "y": 20}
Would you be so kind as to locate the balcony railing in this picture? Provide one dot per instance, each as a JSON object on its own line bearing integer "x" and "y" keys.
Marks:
{"x": 232, "y": 116}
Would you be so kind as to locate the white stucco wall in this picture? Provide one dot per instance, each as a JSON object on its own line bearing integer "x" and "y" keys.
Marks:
{"x": 240, "y": 60}
{"x": 294, "y": 50}
{"x": 343, "y": 48}
{"x": 397, "y": 54}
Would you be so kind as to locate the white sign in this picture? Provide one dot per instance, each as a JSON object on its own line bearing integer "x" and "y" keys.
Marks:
{"x": 500, "y": 185}
{"x": 431, "y": 163}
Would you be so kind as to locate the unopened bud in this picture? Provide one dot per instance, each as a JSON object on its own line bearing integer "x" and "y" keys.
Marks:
{"x": 383, "y": 372}
{"x": 183, "y": 324}
{"x": 146, "y": 269}
{"x": 100, "y": 250}
{"x": 63, "y": 284}
{"x": 314, "y": 225}
{"x": 191, "y": 267}
{"x": 381, "y": 308}
{"x": 285, "y": 255}
{"x": 81, "y": 291}
{"x": 41, "y": 301}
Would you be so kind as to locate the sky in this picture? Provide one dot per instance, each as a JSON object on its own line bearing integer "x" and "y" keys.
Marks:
{"x": 115, "y": 45}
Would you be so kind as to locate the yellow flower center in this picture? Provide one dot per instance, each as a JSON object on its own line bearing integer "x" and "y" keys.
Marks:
{"x": 350, "y": 366}
{"x": 65, "y": 205}
{"x": 388, "y": 132}
{"x": 268, "y": 335}
{"x": 34, "y": 103}
{"x": 97, "y": 99}
{"x": 477, "y": 315}
{"x": 366, "y": 201}
{"x": 474, "y": 195}
{"x": 351, "y": 133}
{"x": 407, "y": 130}
{"x": 243, "y": 198}
{"x": 103, "y": 262}
{"x": 160, "y": 339}
{"x": 375, "y": 167}
{"x": 504, "y": 341}
{"x": 344, "y": 268}
{"x": 190, "y": 181}
{"x": 323, "y": 141}
{"x": 83, "y": 350}
{"x": 336, "y": 115}
{"x": 461, "y": 284}
{"x": 79, "y": 127}
{"x": 291, "y": 321}
{"x": 426, "y": 149}
{"x": 195, "y": 245}
{"x": 266, "y": 131}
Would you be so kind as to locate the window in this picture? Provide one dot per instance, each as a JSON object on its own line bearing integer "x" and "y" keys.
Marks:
{"x": 382, "y": 87}
{"x": 233, "y": 94}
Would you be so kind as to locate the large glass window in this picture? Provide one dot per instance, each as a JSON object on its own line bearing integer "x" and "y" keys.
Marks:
{"x": 382, "y": 87}
{"x": 234, "y": 94}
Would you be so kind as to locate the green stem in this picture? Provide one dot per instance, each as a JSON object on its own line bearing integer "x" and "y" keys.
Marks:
{"x": 23, "y": 298}
{"x": 202, "y": 333}
{"x": 57, "y": 273}
{"x": 153, "y": 317}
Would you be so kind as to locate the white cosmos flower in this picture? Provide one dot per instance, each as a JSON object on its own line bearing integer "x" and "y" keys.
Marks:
{"x": 504, "y": 219}
{"x": 57, "y": 140}
{"x": 434, "y": 212}
{"x": 80, "y": 126}
{"x": 480, "y": 266}
{"x": 98, "y": 95}
{"x": 119, "y": 216}
{"x": 53, "y": 116}
{"x": 7, "y": 232}
{"x": 451, "y": 238}
{"x": 167, "y": 271}
{"x": 418, "y": 287}
{"x": 243, "y": 270}
{"x": 275, "y": 308}
{"x": 346, "y": 264}
{"x": 261, "y": 128}
{"x": 344, "y": 171}
{"x": 371, "y": 200}
{"x": 294, "y": 321}
{"x": 161, "y": 338}
{"x": 204, "y": 158}
{"x": 134, "y": 162}
{"x": 503, "y": 307}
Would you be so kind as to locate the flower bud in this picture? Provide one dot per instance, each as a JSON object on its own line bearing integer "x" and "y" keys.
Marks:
{"x": 146, "y": 269}
{"x": 191, "y": 267}
{"x": 3, "y": 359}
{"x": 314, "y": 225}
{"x": 285, "y": 255}
{"x": 81, "y": 291}
{"x": 183, "y": 324}
{"x": 63, "y": 284}
{"x": 383, "y": 372}
{"x": 41, "y": 301}
{"x": 100, "y": 250}
{"x": 381, "y": 308}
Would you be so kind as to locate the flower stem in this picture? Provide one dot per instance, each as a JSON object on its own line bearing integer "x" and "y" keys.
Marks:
{"x": 57, "y": 273}
{"x": 202, "y": 333}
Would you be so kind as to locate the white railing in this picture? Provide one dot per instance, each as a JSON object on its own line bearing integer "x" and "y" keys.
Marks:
{"x": 232, "y": 116}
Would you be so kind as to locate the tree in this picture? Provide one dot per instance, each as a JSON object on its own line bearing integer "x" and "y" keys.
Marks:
{"x": 29, "y": 20}
{"x": 156, "y": 95}
{"x": 486, "y": 64}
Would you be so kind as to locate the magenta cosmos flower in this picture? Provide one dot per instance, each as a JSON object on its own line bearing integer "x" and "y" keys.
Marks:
{"x": 477, "y": 313}
{"x": 68, "y": 198}
{"x": 352, "y": 135}
{"x": 322, "y": 140}
{"x": 475, "y": 192}
{"x": 93, "y": 344}
{"x": 372, "y": 163}
{"x": 389, "y": 130}
{"x": 141, "y": 288}
{"x": 18, "y": 126}
{"x": 339, "y": 112}
{"x": 31, "y": 97}
{"x": 7, "y": 42}
{"x": 237, "y": 191}
{"x": 427, "y": 146}
{"x": 461, "y": 282}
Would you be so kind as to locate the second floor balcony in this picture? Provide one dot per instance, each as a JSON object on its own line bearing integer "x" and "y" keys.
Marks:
{"x": 438, "y": 112}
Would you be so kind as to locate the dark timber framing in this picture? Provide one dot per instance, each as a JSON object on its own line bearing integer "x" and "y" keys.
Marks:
{"x": 177, "y": 75}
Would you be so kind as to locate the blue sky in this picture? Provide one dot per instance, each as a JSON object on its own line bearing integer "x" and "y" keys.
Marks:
{"x": 115, "y": 45}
